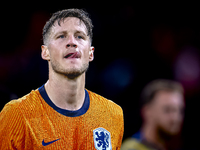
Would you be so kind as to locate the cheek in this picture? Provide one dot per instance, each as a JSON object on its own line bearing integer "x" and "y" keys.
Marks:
{"x": 54, "y": 51}
{"x": 165, "y": 120}
{"x": 85, "y": 53}
{"x": 160, "y": 116}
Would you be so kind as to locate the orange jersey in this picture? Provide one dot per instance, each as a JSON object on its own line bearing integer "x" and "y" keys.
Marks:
{"x": 34, "y": 122}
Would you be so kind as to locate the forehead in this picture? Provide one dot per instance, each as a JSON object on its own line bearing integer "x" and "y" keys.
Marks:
{"x": 69, "y": 24}
{"x": 171, "y": 98}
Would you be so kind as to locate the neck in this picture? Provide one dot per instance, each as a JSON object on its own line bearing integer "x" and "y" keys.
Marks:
{"x": 66, "y": 93}
{"x": 152, "y": 136}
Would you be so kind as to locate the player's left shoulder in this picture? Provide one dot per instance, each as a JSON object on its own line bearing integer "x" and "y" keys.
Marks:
{"x": 104, "y": 102}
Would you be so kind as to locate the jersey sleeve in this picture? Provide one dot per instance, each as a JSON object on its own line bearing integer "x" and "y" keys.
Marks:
{"x": 12, "y": 128}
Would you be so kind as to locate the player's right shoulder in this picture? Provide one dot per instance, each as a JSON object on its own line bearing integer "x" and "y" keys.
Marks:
{"x": 13, "y": 119}
{"x": 24, "y": 101}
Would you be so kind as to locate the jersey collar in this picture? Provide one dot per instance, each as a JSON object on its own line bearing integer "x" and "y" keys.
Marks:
{"x": 65, "y": 112}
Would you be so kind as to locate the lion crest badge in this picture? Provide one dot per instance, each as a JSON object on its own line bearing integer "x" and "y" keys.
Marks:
{"x": 102, "y": 139}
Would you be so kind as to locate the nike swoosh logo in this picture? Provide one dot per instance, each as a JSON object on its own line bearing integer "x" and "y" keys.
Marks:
{"x": 45, "y": 144}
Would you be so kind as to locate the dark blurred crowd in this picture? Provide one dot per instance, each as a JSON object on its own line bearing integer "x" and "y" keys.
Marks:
{"x": 134, "y": 44}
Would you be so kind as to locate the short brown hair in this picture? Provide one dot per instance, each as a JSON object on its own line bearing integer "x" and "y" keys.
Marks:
{"x": 61, "y": 15}
{"x": 155, "y": 86}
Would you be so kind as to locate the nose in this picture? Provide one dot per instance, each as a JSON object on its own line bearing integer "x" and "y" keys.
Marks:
{"x": 71, "y": 45}
{"x": 71, "y": 42}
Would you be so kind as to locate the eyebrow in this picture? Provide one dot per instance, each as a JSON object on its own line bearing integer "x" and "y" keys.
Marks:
{"x": 65, "y": 32}
{"x": 81, "y": 32}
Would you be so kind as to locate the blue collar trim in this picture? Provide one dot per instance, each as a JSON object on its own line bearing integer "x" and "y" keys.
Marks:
{"x": 65, "y": 112}
{"x": 138, "y": 135}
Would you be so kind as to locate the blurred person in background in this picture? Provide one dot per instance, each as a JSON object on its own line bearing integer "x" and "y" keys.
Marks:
{"x": 162, "y": 111}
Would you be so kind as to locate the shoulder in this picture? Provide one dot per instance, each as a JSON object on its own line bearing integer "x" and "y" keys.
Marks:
{"x": 105, "y": 103}
{"x": 12, "y": 120}
{"x": 14, "y": 112}
{"x": 133, "y": 144}
{"x": 22, "y": 103}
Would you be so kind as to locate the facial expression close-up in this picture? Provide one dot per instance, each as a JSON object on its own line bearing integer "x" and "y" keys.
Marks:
{"x": 168, "y": 111}
{"x": 69, "y": 48}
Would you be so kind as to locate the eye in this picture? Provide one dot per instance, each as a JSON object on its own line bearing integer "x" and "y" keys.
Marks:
{"x": 61, "y": 36}
{"x": 79, "y": 37}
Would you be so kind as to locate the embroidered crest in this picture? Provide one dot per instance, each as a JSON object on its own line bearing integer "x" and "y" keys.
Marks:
{"x": 102, "y": 139}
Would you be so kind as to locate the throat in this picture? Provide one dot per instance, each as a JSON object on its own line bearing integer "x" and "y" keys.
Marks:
{"x": 66, "y": 93}
{"x": 74, "y": 101}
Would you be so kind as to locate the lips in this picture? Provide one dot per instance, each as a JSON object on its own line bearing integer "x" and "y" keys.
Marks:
{"x": 73, "y": 55}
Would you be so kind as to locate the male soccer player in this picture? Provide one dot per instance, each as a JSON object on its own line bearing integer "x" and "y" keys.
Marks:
{"x": 162, "y": 113}
{"x": 62, "y": 114}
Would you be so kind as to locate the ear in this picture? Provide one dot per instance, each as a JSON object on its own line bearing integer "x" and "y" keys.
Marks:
{"x": 91, "y": 54}
{"x": 45, "y": 53}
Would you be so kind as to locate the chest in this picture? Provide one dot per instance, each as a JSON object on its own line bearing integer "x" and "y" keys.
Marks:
{"x": 50, "y": 131}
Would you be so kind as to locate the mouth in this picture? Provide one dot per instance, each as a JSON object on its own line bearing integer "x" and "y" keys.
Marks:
{"x": 73, "y": 55}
